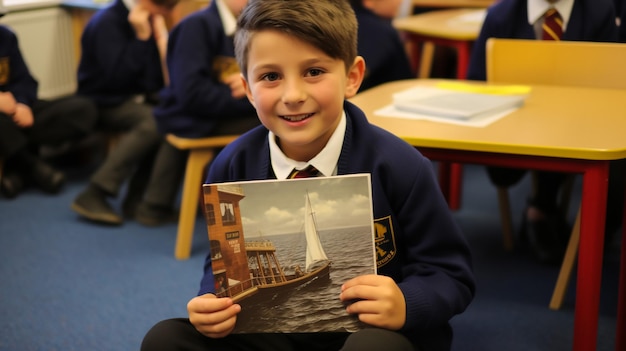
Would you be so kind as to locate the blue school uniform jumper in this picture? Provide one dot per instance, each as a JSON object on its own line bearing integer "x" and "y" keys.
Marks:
{"x": 431, "y": 263}
{"x": 196, "y": 103}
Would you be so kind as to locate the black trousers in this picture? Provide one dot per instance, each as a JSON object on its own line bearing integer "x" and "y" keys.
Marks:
{"x": 55, "y": 121}
{"x": 548, "y": 185}
{"x": 132, "y": 157}
{"x": 180, "y": 334}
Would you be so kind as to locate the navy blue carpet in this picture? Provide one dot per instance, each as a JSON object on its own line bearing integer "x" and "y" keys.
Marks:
{"x": 67, "y": 284}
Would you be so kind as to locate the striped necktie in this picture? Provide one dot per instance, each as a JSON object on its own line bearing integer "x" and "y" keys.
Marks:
{"x": 552, "y": 28}
{"x": 308, "y": 172}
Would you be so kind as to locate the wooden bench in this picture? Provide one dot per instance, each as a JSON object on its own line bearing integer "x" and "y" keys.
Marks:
{"x": 201, "y": 152}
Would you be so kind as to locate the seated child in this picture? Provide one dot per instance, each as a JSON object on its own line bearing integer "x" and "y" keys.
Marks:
{"x": 121, "y": 69}
{"x": 27, "y": 123}
{"x": 544, "y": 226}
{"x": 298, "y": 80}
{"x": 205, "y": 97}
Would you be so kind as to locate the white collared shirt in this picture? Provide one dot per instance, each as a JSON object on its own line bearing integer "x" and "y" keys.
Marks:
{"x": 537, "y": 8}
{"x": 129, "y": 4}
{"x": 325, "y": 161}
{"x": 229, "y": 22}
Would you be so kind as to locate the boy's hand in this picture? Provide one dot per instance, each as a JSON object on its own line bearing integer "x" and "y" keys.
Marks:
{"x": 212, "y": 316}
{"x": 7, "y": 103}
{"x": 23, "y": 116}
{"x": 139, "y": 19}
{"x": 161, "y": 34}
{"x": 235, "y": 83}
{"x": 376, "y": 299}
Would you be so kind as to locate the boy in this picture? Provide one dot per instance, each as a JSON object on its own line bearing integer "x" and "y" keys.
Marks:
{"x": 205, "y": 97}
{"x": 120, "y": 68}
{"x": 26, "y": 123}
{"x": 544, "y": 227}
{"x": 299, "y": 65}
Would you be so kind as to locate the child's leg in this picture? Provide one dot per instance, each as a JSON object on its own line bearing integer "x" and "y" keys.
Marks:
{"x": 377, "y": 339}
{"x": 322, "y": 341}
{"x": 180, "y": 334}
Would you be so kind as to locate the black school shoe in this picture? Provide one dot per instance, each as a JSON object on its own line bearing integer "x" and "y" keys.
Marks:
{"x": 47, "y": 178}
{"x": 11, "y": 184}
{"x": 92, "y": 205}
{"x": 547, "y": 238}
{"x": 154, "y": 216}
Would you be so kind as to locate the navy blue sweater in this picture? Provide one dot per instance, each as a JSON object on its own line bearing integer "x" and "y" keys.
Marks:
{"x": 432, "y": 263}
{"x": 114, "y": 64}
{"x": 380, "y": 45}
{"x": 591, "y": 20}
{"x": 195, "y": 100}
{"x": 14, "y": 74}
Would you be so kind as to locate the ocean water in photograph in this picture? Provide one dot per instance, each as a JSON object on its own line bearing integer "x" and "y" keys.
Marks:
{"x": 313, "y": 306}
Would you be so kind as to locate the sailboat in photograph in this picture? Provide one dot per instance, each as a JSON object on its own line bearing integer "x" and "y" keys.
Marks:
{"x": 317, "y": 264}
{"x": 264, "y": 273}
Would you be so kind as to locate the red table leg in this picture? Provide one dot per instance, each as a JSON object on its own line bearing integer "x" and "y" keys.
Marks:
{"x": 444, "y": 179}
{"x": 593, "y": 215}
{"x": 455, "y": 185}
{"x": 455, "y": 178}
{"x": 620, "y": 338}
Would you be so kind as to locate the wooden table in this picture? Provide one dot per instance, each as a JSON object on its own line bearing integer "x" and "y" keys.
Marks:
{"x": 592, "y": 138}
{"x": 456, "y": 28}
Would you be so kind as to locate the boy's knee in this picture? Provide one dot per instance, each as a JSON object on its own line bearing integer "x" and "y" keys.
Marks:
{"x": 377, "y": 339}
{"x": 147, "y": 131}
{"x": 164, "y": 334}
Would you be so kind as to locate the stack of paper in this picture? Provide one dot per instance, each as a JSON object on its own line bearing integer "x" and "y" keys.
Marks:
{"x": 454, "y": 103}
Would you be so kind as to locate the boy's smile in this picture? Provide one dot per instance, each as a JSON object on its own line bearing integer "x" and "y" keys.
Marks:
{"x": 298, "y": 91}
{"x": 297, "y": 118}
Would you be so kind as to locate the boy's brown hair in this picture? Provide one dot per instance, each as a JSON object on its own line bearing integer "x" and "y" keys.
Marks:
{"x": 329, "y": 25}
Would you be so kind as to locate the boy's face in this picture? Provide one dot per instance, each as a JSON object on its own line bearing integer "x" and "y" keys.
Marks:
{"x": 298, "y": 91}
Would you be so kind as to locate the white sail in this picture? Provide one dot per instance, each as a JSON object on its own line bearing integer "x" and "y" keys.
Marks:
{"x": 314, "y": 250}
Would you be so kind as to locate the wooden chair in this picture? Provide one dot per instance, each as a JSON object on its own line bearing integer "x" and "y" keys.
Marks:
{"x": 585, "y": 64}
{"x": 201, "y": 152}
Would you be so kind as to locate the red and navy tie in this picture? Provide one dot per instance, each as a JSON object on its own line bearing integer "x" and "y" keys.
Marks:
{"x": 552, "y": 25}
{"x": 308, "y": 172}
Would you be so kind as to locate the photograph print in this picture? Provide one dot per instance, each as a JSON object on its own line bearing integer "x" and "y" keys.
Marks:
{"x": 283, "y": 248}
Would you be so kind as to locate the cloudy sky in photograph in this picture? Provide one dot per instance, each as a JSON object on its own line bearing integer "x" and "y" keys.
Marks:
{"x": 277, "y": 207}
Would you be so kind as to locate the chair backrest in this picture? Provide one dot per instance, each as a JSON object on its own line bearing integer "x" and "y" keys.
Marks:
{"x": 576, "y": 63}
